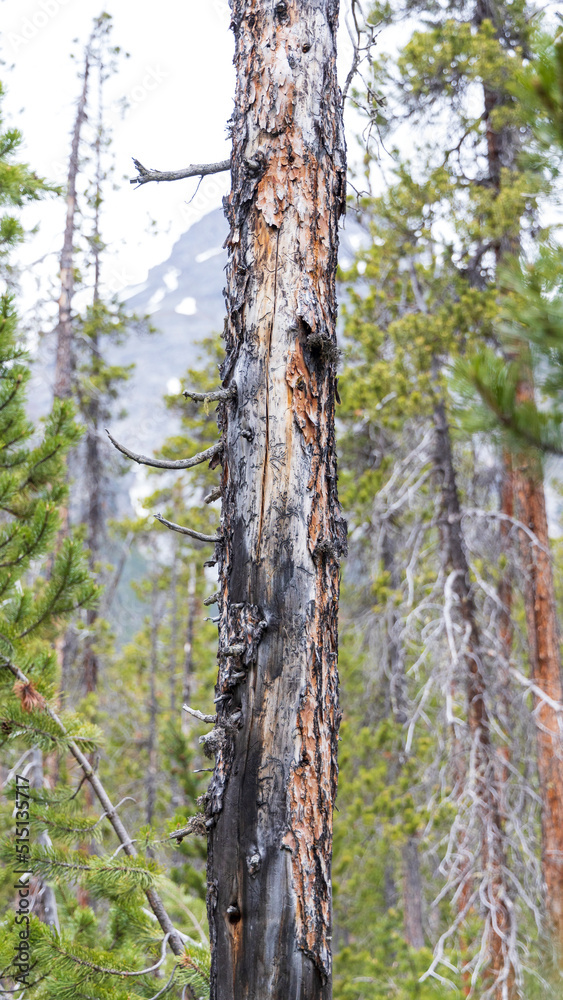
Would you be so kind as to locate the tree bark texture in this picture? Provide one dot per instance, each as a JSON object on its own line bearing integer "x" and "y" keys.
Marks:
{"x": 270, "y": 801}
{"x": 545, "y": 669}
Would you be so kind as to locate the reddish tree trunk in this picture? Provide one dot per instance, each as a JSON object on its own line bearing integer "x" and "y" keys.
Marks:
{"x": 545, "y": 666}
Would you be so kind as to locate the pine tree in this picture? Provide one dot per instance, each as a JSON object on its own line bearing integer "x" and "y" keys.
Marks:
{"x": 44, "y": 580}
{"x": 426, "y": 291}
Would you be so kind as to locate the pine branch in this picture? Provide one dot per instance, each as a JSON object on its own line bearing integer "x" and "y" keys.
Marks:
{"x": 153, "y": 898}
{"x": 69, "y": 956}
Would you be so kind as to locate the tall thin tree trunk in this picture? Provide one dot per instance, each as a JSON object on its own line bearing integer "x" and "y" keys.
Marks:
{"x": 539, "y": 593}
{"x": 66, "y": 646}
{"x": 506, "y": 627}
{"x": 93, "y": 457}
{"x": 63, "y": 362}
{"x": 494, "y": 890}
{"x": 412, "y": 894}
{"x": 152, "y": 770}
{"x": 189, "y": 647}
{"x": 173, "y": 646}
{"x": 545, "y": 667}
{"x": 271, "y": 797}
{"x": 412, "y": 882}
{"x": 42, "y": 895}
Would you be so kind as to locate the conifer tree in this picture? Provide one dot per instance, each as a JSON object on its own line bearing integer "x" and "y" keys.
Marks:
{"x": 44, "y": 581}
{"x": 427, "y": 291}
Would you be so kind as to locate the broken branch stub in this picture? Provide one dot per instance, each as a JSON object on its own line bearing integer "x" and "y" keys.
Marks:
{"x": 214, "y": 396}
{"x": 201, "y": 716}
{"x": 187, "y": 531}
{"x": 162, "y": 463}
{"x": 145, "y": 175}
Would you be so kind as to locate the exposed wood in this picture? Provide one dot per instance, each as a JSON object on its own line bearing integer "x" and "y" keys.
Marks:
{"x": 271, "y": 797}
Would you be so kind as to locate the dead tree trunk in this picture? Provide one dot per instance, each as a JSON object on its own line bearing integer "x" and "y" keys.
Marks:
{"x": 63, "y": 363}
{"x": 152, "y": 742}
{"x": 94, "y": 466}
{"x": 411, "y": 880}
{"x": 187, "y": 673}
{"x": 499, "y": 911}
{"x": 270, "y": 801}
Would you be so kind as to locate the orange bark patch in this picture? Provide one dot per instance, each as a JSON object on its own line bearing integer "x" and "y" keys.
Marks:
{"x": 304, "y": 395}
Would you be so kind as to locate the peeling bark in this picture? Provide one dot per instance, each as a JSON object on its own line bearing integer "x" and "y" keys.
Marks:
{"x": 269, "y": 810}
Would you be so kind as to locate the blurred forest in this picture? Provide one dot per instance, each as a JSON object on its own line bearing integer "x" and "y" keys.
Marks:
{"x": 448, "y": 839}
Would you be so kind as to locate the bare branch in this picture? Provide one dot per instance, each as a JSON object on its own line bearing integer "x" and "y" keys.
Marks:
{"x": 158, "y": 463}
{"x": 212, "y": 599}
{"x": 214, "y": 396}
{"x": 187, "y": 531}
{"x": 145, "y": 175}
{"x": 210, "y": 719}
{"x": 359, "y": 29}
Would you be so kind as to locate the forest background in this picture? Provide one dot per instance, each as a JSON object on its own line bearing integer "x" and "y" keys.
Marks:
{"x": 448, "y": 839}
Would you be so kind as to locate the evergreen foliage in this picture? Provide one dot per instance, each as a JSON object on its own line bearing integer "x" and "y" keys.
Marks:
{"x": 424, "y": 298}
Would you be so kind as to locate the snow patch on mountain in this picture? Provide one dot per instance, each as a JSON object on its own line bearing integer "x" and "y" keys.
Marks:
{"x": 208, "y": 254}
{"x": 187, "y": 307}
{"x": 170, "y": 279}
{"x": 155, "y": 300}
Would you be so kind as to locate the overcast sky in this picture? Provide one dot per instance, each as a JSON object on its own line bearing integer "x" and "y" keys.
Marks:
{"x": 178, "y": 82}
